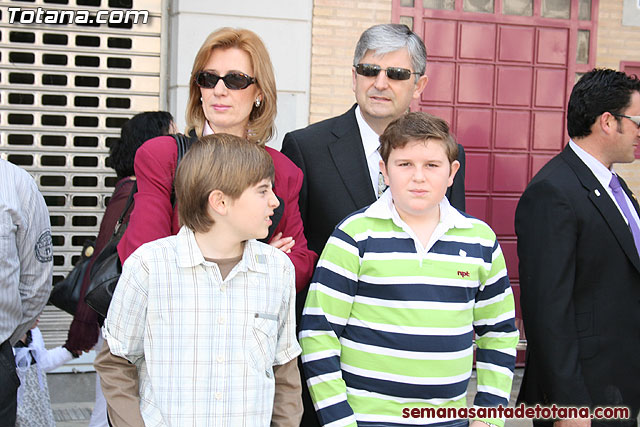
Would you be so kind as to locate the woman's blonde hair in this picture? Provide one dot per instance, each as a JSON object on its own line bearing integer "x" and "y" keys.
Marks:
{"x": 261, "y": 126}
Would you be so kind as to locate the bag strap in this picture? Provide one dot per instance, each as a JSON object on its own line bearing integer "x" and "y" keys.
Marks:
{"x": 134, "y": 190}
{"x": 184, "y": 143}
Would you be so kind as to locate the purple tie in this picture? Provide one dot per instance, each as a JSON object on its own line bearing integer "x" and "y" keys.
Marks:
{"x": 622, "y": 202}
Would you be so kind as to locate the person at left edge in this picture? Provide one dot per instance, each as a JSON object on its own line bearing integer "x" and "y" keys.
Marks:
{"x": 231, "y": 90}
{"x": 26, "y": 266}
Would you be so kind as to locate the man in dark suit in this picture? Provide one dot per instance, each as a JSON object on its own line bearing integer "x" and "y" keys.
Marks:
{"x": 578, "y": 243}
{"x": 339, "y": 156}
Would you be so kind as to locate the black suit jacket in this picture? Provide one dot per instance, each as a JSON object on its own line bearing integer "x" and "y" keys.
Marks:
{"x": 580, "y": 290}
{"x": 336, "y": 177}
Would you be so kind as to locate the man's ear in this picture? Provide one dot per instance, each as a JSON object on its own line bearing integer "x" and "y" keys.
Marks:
{"x": 383, "y": 169}
{"x": 353, "y": 79}
{"x": 218, "y": 202}
{"x": 455, "y": 166}
{"x": 420, "y": 85}
{"x": 607, "y": 123}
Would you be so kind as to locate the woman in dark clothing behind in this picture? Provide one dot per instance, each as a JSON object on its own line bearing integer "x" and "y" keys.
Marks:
{"x": 84, "y": 330}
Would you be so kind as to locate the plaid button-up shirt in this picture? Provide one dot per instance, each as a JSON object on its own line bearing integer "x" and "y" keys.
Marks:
{"x": 204, "y": 347}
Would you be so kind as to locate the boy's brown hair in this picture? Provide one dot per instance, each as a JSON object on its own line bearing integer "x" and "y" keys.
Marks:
{"x": 417, "y": 126}
{"x": 217, "y": 162}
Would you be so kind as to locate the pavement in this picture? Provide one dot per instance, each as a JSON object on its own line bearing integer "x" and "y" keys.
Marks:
{"x": 72, "y": 395}
{"x": 72, "y": 414}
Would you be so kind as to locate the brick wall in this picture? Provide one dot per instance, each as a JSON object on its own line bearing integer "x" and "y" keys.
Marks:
{"x": 618, "y": 43}
{"x": 337, "y": 25}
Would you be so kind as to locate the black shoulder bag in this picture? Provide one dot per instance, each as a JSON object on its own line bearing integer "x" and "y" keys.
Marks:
{"x": 66, "y": 293}
{"x": 107, "y": 268}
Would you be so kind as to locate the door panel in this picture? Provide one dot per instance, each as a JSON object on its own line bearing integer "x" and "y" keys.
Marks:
{"x": 516, "y": 44}
{"x": 512, "y": 129}
{"x": 477, "y": 41}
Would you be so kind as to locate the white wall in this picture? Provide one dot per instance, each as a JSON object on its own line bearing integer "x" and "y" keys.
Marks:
{"x": 283, "y": 25}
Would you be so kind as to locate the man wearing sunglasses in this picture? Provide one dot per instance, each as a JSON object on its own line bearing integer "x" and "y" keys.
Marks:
{"x": 339, "y": 156}
{"x": 578, "y": 245}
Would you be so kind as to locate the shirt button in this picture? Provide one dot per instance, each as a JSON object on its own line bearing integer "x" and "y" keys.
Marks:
{"x": 218, "y": 396}
{"x": 221, "y": 320}
{"x": 220, "y": 359}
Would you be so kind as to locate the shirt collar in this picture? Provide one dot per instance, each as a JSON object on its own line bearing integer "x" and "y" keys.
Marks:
{"x": 370, "y": 139}
{"x": 384, "y": 208}
{"x": 190, "y": 255}
{"x": 602, "y": 173}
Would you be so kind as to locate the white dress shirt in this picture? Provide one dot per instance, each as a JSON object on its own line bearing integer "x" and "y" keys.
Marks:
{"x": 204, "y": 347}
{"x": 370, "y": 142}
{"x": 26, "y": 259}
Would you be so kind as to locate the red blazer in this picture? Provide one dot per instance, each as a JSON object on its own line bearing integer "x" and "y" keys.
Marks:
{"x": 153, "y": 217}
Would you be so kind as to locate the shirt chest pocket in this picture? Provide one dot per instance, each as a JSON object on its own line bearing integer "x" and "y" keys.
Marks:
{"x": 8, "y": 243}
{"x": 264, "y": 333}
{"x": 8, "y": 227}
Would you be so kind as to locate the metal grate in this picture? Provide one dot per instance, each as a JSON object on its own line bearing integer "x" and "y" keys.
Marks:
{"x": 65, "y": 90}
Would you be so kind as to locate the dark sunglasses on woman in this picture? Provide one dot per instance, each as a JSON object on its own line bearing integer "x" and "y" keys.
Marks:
{"x": 233, "y": 81}
{"x": 394, "y": 73}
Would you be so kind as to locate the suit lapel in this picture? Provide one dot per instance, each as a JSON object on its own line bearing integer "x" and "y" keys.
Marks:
{"x": 604, "y": 204}
{"x": 348, "y": 156}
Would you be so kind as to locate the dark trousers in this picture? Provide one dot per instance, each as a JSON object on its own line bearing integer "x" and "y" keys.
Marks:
{"x": 9, "y": 383}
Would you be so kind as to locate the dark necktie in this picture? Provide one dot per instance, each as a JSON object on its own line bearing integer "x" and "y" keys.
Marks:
{"x": 618, "y": 193}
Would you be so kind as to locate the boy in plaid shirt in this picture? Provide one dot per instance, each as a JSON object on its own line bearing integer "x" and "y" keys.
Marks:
{"x": 208, "y": 314}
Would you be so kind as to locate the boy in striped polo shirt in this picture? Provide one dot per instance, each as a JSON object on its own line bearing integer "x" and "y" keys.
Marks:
{"x": 401, "y": 289}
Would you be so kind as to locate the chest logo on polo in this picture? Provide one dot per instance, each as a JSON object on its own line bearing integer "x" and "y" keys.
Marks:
{"x": 463, "y": 274}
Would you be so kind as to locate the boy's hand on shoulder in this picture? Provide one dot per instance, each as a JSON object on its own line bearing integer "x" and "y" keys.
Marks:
{"x": 283, "y": 243}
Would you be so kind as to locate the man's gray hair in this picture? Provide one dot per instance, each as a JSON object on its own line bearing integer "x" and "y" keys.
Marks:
{"x": 385, "y": 38}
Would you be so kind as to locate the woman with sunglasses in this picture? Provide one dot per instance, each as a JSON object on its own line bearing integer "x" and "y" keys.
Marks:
{"x": 231, "y": 90}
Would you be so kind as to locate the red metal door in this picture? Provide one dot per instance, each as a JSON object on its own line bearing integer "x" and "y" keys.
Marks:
{"x": 500, "y": 73}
